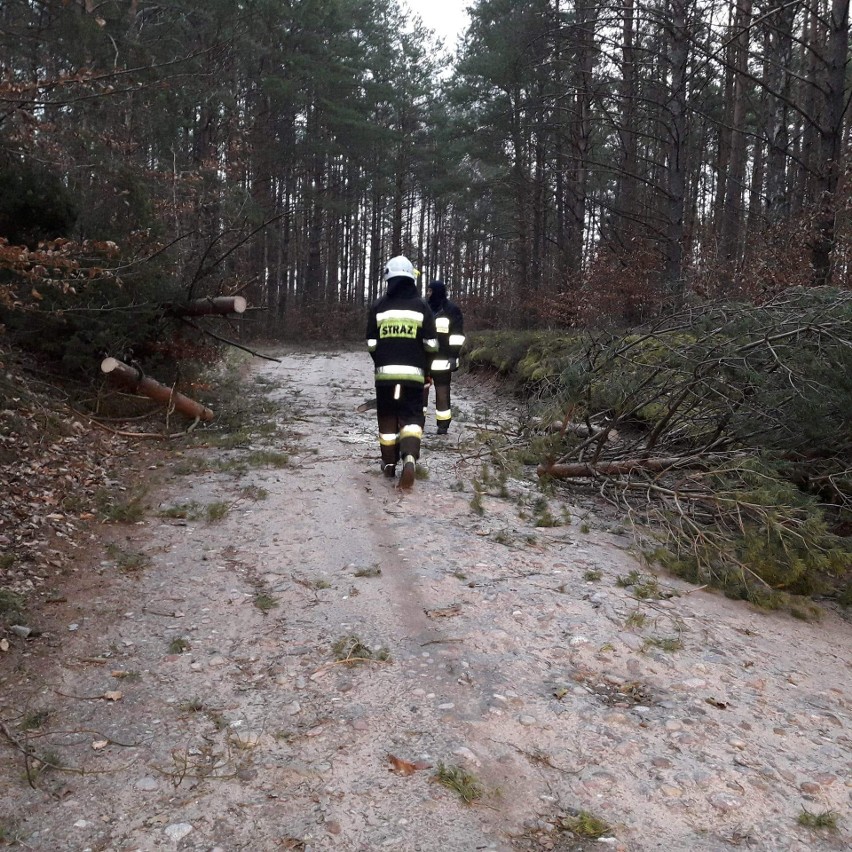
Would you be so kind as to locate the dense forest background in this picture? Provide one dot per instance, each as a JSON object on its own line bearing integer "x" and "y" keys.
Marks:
{"x": 568, "y": 163}
{"x": 643, "y": 208}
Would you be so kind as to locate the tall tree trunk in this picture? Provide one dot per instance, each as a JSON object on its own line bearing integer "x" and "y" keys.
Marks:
{"x": 732, "y": 218}
{"x": 398, "y": 198}
{"x": 755, "y": 202}
{"x": 809, "y": 153}
{"x": 538, "y": 215}
{"x": 831, "y": 138}
{"x": 676, "y": 150}
{"x": 626, "y": 195}
{"x": 777, "y": 76}
{"x": 377, "y": 262}
{"x": 723, "y": 150}
{"x": 314, "y": 272}
{"x": 586, "y": 15}
{"x": 520, "y": 179}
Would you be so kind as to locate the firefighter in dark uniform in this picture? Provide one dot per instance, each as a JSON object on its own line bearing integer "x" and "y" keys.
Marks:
{"x": 449, "y": 326}
{"x": 401, "y": 338}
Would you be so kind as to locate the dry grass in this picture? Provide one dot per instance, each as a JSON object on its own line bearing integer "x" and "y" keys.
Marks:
{"x": 460, "y": 781}
{"x": 586, "y": 824}
{"x": 351, "y": 650}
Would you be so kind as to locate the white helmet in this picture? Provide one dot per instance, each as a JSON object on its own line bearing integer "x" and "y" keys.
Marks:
{"x": 400, "y": 267}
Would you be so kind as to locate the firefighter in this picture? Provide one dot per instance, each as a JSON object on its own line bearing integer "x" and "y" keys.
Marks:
{"x": 401, "y": 339}
{"x": 449, "y": 325}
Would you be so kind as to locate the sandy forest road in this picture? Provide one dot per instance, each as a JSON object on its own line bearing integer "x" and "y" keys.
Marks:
{"x": 555, "y": 691}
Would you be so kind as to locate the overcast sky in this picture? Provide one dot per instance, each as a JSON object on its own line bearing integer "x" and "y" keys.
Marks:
{"x": 447, "y": 18}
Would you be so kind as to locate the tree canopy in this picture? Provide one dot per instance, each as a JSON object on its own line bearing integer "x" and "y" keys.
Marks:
{"x": 574, "y": 162}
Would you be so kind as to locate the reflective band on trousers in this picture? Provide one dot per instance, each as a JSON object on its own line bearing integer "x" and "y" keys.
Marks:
{"x": 437, "y": 365}
{"x": 444, "y": 415}
{"x": 388, "y": 439}
{"x": 410, "y": 432}
{"x": 456, "y": 339}
{"x": 399, "y": 372}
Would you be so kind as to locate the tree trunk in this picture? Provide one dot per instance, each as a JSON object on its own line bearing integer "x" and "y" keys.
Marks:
{"x": 136, "y": 381}
{"x": 732, "y": 217}
{"x": 676, "y": 153}
{"x": 808, "y": 165}
{"x": 777, "y": 78}
{"x": 612, "y": 468}
{"x": 626, "y": 195}
{"x": 831, "y": 138}
{"x": 580, "y": 132}
{"x": 520, "y": 178}
{"x": 218, "y": 305}
{"x": 723, "y": 148}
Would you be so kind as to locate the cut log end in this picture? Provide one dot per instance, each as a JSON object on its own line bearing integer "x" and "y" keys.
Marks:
{"x": 134, "y": 378}
{"x": 210, "y": 305}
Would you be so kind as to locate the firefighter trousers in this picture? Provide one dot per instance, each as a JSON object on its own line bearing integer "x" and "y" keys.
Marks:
{"x": 399, "y": 412}
{"x": 443, "y": 410}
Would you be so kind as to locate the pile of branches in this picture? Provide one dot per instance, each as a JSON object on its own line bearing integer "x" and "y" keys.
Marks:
{"x": 731, "y": 423}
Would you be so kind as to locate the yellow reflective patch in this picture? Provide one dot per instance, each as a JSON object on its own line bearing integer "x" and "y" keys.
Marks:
{"x": 398, "y": 328}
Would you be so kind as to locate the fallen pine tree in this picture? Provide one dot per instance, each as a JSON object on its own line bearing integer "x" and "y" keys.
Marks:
{"x": 733, "y": 444}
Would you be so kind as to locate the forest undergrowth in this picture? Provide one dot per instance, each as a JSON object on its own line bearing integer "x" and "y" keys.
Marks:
{"x": 721, "y": 431}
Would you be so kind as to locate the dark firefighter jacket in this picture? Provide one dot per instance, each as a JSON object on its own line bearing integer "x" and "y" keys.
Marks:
{"x": 401, "y": 335}
{"x": 449, "y": 326}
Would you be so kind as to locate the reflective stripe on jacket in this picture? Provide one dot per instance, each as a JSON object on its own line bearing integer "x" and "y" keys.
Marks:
{"x": 449, "y": 326}
{"x": 401, "y": 335}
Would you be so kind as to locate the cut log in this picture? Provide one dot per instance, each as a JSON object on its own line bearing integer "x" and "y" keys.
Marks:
{"x": 134, "y": 379}
{"x": 611, "y": 468}
{"x": 212, "y": 305}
